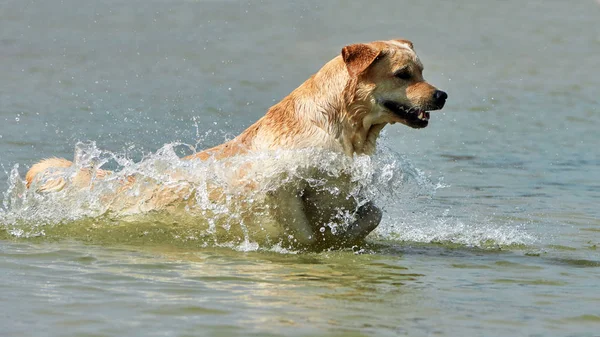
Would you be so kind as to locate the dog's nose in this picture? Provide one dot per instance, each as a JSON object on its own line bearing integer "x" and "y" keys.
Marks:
{"x": 439, "y": 95}
{"x": 440, "y": 98}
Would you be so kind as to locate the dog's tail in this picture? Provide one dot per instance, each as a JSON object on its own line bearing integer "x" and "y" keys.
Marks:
{"x": 51, "y": 172}
{"x": 44, "y": 166}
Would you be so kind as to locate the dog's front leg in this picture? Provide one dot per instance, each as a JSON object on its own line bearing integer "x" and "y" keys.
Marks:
{"x": 288, "y": 210}
{"x": 368, "y": 218}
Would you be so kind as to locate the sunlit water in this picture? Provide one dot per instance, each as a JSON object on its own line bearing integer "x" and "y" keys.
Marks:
{"x": 491, "y": 222}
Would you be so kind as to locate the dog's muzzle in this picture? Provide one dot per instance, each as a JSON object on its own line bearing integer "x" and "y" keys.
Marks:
{"x": 415, "y": 116}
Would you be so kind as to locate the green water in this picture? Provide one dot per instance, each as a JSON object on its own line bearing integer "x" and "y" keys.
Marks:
{"x": 390, "y": 289}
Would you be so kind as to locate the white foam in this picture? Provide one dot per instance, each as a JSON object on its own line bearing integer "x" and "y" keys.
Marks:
{"x": 487, "y": 235}
{"x": 387, "y": 179}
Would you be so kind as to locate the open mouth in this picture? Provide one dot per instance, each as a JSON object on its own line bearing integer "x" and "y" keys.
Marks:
{"x": 412, "y": 116}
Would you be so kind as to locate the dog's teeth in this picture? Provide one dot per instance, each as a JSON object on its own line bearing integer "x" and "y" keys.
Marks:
{"x": 422, "y": 115}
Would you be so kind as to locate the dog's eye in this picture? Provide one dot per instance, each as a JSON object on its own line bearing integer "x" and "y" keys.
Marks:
{"x": 402, "y": 74}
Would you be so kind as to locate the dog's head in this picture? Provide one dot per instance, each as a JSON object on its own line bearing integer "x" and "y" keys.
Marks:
{"x": 387, "y": 76}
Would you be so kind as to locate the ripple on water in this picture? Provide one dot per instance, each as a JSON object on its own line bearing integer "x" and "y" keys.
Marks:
{"x": 240, "y": 221}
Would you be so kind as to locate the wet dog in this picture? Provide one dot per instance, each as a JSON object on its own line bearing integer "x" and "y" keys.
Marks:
{"x": 342, "y": 108}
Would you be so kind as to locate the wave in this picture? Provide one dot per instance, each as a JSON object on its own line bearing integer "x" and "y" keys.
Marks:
{"x": 209, "y": 203}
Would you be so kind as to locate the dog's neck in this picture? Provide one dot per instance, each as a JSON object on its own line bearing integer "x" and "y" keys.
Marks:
{"x": 326, "y": 109}
{"x": 364, "y": 130}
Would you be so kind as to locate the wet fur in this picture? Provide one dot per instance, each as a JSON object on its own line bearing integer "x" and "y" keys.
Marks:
{"x": 337, "y": 109}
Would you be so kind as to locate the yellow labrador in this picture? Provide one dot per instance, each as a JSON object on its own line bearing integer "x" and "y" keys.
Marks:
{"x": 342, "y": 108}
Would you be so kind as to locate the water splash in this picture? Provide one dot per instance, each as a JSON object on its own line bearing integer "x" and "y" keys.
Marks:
{"x": 210, "y": 203}
{"x": 447, "y": 230}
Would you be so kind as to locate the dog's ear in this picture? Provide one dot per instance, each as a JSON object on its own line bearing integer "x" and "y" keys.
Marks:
{"x": 406, "y": 42}
{"x": 358, "y": 57}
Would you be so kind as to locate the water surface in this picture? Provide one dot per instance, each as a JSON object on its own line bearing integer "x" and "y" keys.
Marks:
{"x": 492, "y": 227}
